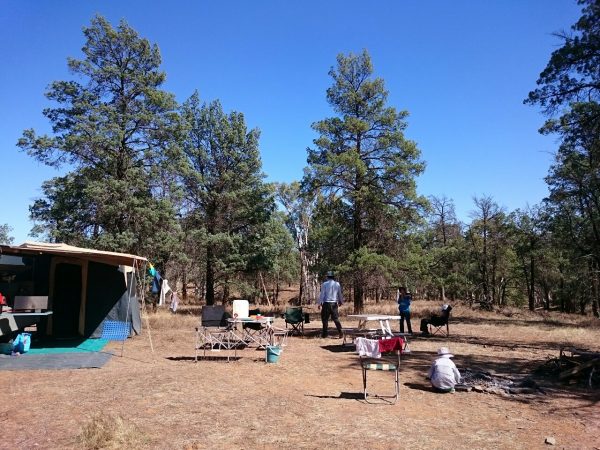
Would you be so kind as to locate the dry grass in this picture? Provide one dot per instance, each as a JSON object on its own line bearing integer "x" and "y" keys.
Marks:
{"x": 110, "y": 432}
{"x": 312, "y": 397}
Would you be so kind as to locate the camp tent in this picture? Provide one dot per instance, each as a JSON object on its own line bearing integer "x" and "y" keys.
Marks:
{"x": 84, "y": 286}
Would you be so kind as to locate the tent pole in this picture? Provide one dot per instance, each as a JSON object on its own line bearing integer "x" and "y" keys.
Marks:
{"x": 143, "y": 278}
{"x": 128, "y": 301}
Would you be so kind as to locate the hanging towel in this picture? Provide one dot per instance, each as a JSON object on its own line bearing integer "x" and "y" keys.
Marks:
{"x": 391, "y": 345}
{"x": 367, "y": 347}
{"x": 164, "y": 290}
{"x": 174, "y": 301}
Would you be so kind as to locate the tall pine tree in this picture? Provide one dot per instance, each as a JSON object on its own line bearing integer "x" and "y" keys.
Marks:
{"x": 226, "y": 199}
{"x": 363, "y": 159}
{"x": 112, "y": 130}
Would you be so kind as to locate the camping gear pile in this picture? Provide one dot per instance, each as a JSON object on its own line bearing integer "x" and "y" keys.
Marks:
{"x": 19, "y": 345}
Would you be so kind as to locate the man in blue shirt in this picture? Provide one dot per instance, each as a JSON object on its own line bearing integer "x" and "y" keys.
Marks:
{"x": 330, "y": 298}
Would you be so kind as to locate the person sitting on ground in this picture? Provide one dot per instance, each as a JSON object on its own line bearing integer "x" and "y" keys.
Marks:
{"x": 443, "y": 372}
{"x": 436, "y": 320}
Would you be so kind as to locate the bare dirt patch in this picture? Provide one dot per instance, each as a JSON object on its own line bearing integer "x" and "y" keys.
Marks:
{"x": 312, "y": 398}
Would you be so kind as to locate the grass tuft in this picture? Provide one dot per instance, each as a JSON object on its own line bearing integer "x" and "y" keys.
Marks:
{"x": 107, "y": 431}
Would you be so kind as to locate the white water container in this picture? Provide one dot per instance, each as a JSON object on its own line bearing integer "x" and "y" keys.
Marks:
{"x": 241, "y": 309}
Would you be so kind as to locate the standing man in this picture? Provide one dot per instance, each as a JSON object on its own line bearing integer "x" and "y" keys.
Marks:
{"x": 330, "y": 298}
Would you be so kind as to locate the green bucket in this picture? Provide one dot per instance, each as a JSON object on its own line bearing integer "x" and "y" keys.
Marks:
{"x": 273, "y": 353}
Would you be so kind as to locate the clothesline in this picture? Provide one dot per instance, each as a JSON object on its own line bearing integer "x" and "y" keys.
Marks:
{"x": 161, "y": 287}
{"x": 373, "y": 348}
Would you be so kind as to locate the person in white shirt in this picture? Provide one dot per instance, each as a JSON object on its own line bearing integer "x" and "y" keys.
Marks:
{"x": 443, "y": 372}
{"x": 330, "y": 298}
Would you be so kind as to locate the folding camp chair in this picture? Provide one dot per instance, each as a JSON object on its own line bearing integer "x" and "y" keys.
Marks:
{"x": 437, "y": 323}
{"x": 372, "y": 359}
{"x": 253, "y": 328}
{"x": 113, "y": 330}
{"x": 279, "y": 337}
{"x": 295, "y": 317}
{"x": 215, "y": 333}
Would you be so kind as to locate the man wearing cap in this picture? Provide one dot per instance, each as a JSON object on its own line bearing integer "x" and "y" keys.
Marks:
{"x": 330, "y": 298}
{"x": 443, "y": 372}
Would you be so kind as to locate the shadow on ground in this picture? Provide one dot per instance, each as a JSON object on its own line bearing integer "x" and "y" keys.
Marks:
{"x": 203, "y": 358}
{"x": 509, "y": 321}
{"x": 342, "y": 396}
{"x": 339, "y": 348}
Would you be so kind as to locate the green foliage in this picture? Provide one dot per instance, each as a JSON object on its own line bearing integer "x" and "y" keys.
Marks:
{"x": 226, "y": 203}
{"x": 5, "y": 237}
{"x": 113, "y": 130}
{"x": 572, "y": 72}
{"x": 570, "y": 85}
{"x": 364, "y": 167}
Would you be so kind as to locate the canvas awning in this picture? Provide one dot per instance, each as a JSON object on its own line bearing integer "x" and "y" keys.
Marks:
{"x": 38, "y": 248}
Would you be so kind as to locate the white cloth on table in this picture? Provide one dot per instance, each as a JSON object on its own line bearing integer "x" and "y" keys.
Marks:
{"x": 367, "y": 347}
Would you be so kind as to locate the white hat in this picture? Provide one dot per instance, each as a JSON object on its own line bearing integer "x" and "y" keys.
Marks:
{"x": 444, "y": 352}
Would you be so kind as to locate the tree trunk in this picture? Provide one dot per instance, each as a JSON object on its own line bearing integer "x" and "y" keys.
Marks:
{"x": 531, "y": 289}
{"x": 225, "y": 292}
{"x": 358, "y": 295}
{"x": 210, "y": 277}
{"x": 262, "y": 282}
{"x": 595, "y": 290}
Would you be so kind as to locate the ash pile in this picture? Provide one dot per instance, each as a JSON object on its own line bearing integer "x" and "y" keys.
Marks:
{"x": 480, "y": 381}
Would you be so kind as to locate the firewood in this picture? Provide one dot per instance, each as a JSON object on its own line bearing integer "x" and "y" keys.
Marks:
{"x": 575, "y": 370}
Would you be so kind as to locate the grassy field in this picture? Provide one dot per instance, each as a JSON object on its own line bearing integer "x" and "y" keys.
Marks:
{"x": 156, "y": 396}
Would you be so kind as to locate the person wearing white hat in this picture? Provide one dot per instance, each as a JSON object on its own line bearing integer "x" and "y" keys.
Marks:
{"x": 443, "y": 372}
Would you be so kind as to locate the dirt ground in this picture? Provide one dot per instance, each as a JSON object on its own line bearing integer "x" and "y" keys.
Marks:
{"x": 311, "y": 398}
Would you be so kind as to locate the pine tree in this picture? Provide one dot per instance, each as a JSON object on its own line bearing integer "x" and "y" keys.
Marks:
{"x": 112, "y": 129}
{"x": 363, "y": 158}
{"x": 226, "y": 200}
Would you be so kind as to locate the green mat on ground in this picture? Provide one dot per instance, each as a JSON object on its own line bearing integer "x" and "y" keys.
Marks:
{"x": 68, "y": 346}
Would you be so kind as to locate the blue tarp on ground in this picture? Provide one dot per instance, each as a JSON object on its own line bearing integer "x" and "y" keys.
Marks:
{"x": 54, "y": 361}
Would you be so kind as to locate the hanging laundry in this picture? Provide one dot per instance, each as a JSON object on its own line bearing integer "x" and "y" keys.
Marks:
{"x": 367, "y": 347}
{"x": 164, "y": 290}
{"x": 156, "y": 282}
{"x": 151, "y": 270}
{"x": 174, "y": 301}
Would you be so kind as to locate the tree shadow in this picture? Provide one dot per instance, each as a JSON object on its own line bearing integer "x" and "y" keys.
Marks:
{"x": 548, "y": 346}
{"x": 203, "y": 358}
{"x": 507, "y": 322}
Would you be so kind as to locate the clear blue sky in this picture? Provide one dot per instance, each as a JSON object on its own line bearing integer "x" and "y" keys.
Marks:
{"x": 461, "y": 68}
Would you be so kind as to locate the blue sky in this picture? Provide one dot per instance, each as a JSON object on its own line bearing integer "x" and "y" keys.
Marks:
{"x": 461, "y": 68}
